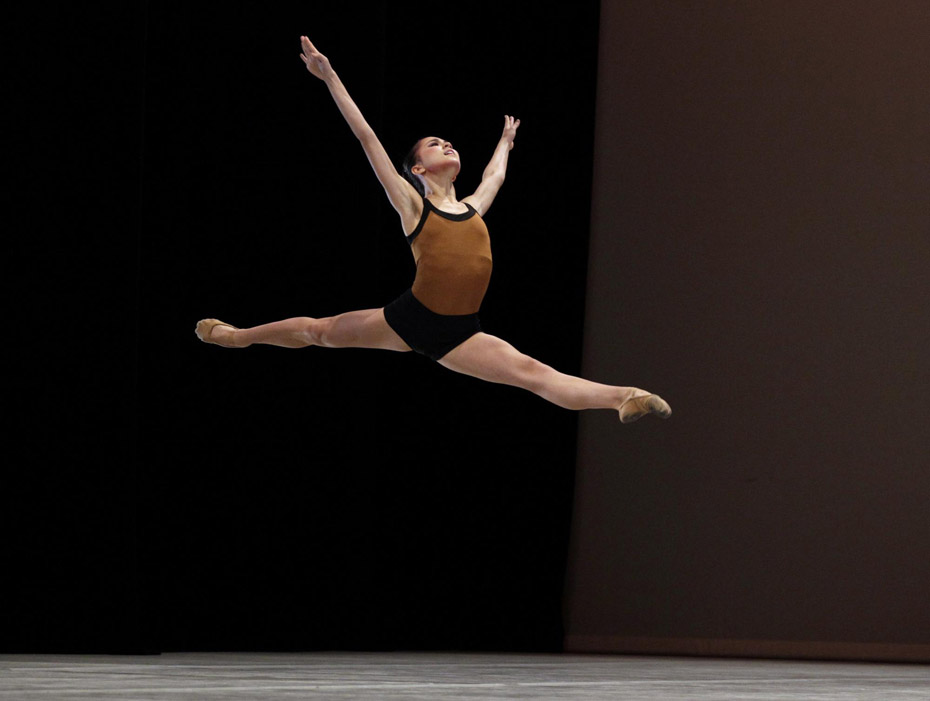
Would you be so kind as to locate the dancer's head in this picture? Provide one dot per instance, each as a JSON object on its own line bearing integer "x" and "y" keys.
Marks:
{"x": 430, "y": 155}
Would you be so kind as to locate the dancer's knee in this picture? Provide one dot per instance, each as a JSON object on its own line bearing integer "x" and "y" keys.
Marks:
{"x": 530, "y": 373}
{"x": 319, "y": 332}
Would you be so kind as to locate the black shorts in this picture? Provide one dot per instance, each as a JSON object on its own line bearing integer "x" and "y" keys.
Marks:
{"x": 424, "y": 330}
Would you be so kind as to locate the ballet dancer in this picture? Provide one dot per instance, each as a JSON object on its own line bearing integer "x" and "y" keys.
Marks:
{"x": 438, "y": 315}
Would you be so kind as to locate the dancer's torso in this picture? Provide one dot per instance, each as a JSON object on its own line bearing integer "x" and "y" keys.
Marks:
{"x": 453, "y": 256}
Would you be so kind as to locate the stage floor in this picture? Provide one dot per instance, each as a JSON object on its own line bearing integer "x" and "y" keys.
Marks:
{"x": 405, "y": 675}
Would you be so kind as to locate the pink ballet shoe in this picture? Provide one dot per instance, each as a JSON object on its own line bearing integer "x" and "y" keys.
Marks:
{"x": 205, "y": 328}
{"x": 637, "y": 407}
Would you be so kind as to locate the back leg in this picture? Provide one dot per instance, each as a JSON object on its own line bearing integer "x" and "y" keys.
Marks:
{"x": 365, "y": 328}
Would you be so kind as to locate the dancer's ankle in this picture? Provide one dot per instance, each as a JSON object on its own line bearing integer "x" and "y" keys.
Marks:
{"x": 628, "y": 393}
{"x": 236, "y": 339}
{"x": 226, "y": 336}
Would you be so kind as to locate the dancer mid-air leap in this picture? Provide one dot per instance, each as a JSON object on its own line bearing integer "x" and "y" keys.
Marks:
{"x": 438, "y": 315}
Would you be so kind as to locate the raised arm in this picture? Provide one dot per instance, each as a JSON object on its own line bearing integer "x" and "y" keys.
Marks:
{"x": 494, "y": 174}
{"x": 400, "y": 192}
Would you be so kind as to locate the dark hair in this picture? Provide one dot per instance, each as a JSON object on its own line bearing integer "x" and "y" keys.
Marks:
{"x": 409, "y": 162}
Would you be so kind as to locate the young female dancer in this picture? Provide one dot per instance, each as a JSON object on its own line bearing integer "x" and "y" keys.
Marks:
{"x": 438, "y": 315}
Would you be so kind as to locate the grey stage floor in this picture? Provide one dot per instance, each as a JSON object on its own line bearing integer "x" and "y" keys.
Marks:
{"x": 334, "y": 675}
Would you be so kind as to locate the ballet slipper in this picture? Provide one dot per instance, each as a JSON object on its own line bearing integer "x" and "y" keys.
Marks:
{"x": 637, "y": 407}
{"x": 205, "y": 328}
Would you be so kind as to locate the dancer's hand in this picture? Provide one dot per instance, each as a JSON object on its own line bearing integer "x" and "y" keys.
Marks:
{"x": 510, "y": 130}
{"x": 316, "y": 62}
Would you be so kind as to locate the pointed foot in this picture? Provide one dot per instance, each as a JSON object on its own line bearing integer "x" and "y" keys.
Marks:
{"x": 205, "y": 332}
{"x": 637, "y": 407}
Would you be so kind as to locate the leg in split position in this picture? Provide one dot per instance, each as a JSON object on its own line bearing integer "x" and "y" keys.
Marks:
{"x": 483, "y": 356}
{"x": 365, "y": 328}
{"x": 494, "y": 360}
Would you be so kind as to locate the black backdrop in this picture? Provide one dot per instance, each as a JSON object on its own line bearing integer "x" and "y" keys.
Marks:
{"x": 179, "y": 163}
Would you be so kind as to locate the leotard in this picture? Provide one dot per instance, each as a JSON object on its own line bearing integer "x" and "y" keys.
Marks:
{"x": 453, "y": 257}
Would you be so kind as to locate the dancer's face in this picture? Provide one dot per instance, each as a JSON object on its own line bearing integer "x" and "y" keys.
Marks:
{"x": 435, "y": 153}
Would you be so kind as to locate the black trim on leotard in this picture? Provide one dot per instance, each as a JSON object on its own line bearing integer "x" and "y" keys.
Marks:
{"x": 427, "y": 206}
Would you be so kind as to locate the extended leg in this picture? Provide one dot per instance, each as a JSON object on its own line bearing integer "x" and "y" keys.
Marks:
{"x": 359, "y": 329}
{"x": 493, "y": 359}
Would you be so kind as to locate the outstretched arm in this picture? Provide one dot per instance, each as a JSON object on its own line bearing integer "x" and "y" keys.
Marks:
{"x": 401, "y": 193}
{"x": 494, "y": 174}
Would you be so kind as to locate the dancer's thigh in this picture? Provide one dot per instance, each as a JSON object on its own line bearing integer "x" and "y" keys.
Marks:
{"x": 365, "y": 328}
{"x": 492, "y": 359}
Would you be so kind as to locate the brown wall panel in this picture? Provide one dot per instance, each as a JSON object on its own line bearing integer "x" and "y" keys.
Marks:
{"x": 760, "y": 256}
